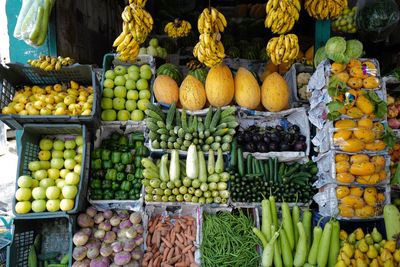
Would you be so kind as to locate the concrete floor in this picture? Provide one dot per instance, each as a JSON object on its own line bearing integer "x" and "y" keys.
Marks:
{"x": 8, "y": 169}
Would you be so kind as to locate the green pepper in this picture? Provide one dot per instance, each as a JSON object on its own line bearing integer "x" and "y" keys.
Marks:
{"x": 98, "y": 174}
{"x": 130, "y": 177}
{"x": 116, "y": 157}
{"x": 108, "y": 194}
{"x": 96, "y": 164}
{"x": 119, "y": 167}
{"x": 96, "y": 194}
{"x": 120, "y": 176}
{"x": 137, "y": 137}
{"x": 138, "y": 162}
{"x": 111, "y": 174}
{"x": 106, "y": 184}
{"x": 105, "y": 154}
{"x": 134, "y": 194}
{"x": 123, "y": 141}
{"x": 107, "y": 164}
{"x": 115, "y": 186}
{"x": 126, "y": 186}
{"x": 121, "y": 195}
{"x": 137, "y": 185}
{"x": 139, "y": 173}
{"x": 95, "y": 184}
{"x": 130, "y": 168}
{"x": 97, "y": 153}
{"x": 126, "y": 158}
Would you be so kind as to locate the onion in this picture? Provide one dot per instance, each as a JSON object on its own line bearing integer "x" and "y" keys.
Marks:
{"x": 83, "y": 263}
{"x": 105, "y": 225}
{"x": 115, "y": 220}
{"x": 132, "y": 264}
{"x": 116, "y": 246}
{"x": 79, "y": 253}
{"x": 99, "y": 234}
{"x": 135, "y": 218}
{"x": 122, "y": 233}
{"x": 87, "y": 231}
{"x": 107, "y": 214}
{"x": 98, "y": 218}
{"x": 109, "y": 237}
{"x": 80, "y": 238}
{"x": 139, "y": 229}
{"x": 116, "y": 229}
{"x": 85, "y": 220}
{"x": 125, "y": 224}
{"x": 131, "y": 232}
{"x": 92, "y": 253}
{"x": 106, "y": 251}
{"x": 91, "y": 211}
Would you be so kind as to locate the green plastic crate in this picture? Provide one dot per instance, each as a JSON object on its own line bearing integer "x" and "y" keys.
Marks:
{"x": 56, "y": 230}
{"x": 16, "y": 75}
{"x": 29, "y": 144}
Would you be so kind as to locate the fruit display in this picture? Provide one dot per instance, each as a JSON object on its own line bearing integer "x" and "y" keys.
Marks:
{"x": 126, "y": 93}
{"x": 267, "y": 139}
{"x": 116, "y": 171}
{"x": 361, "y": 169}
{"x": 192, "y": 180}
{"x": 48, "y": 63}
{"x": 356, "y": 136}
{"x": 302, "y": 80}
{"x": 137, "y": 24}
{"x": 210, "y": 50}
{"x": 360, "y": 202}
{"x": 154, "y": 49}
{"x": 107, "y": 238}
{"x": 178, "y": 130}
{"x": 54, "y": 179}
{"x": 59, "y": 99}
{"x": 281, "y": 15}
{"x": 178, "y": 28}
{"x": 283, "y": 49}
{"x": 367, "y": 249}
{"x": 346, "y": 22}
{"x": 325, "y": 9}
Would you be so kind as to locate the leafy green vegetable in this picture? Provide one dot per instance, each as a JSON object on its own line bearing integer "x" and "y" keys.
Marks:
{"x": 319, "y": 56}
{"x": 336, "y": 87}
{"x": 335, "y": 48}
{"x": 389, "y": 137}
{"x": 354, "y": 49}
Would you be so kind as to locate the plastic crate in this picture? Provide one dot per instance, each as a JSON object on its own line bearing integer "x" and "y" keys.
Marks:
{"x": 29, "y": 144}
{"x": 56, "y": 231}
{"x": 3, "y": 251}
{"x": 17, "y": 75}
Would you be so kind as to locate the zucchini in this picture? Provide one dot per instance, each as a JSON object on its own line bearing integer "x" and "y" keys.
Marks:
{"x": 249, "y": 164}
{"x": 209, "y": 140}
{"x": 240, "y": 162}
{"x": 170, "y": 116}
{"x": 184, "y": 121}
{"x": 200, "y": 127}
{"x": 275, "y": 170}
{"x": 208, "y": 118}
{"x": 234, "y": 154}
{"x": 228, "y": 111}
{"x": 392, "y": 218}
{"x": 155, "y": 144}
{"x": 32, "y": 257}
{"x": 178, "y": 121}
{"x": 219, "y": 164}
{"x": 271, "y": 169}
{"x": 227, "y": 138}
{"x": 266, "y": 170}
{"x": 188, "y": 136}
{"x": 217, "y": 139}
{"x": 215, "y": 120}
{"x": 257, "y": 166}
{"x": 181, "y": 133}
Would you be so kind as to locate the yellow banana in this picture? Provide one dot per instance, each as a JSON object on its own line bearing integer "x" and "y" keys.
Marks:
{"x": 119, "y": 39}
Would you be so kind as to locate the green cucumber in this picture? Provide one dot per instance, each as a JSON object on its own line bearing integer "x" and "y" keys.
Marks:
{"x": 207, "y": 120}
{"x": 228, "y": 111}
{"x": 170, "y": 116}
{"x": 215, "y": 120}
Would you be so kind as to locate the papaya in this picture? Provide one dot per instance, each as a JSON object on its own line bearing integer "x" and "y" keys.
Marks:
{"x": 365, "y": 135}
{"x": 342, "y": 167}
{"x": 365, "y": 105}
{"x": 359, "y": 158}
{"x": 352, "y": 145}
{"x": 362, "y": 168}
{"x": 370, "y": 82}
{"x": 341, "y": 157}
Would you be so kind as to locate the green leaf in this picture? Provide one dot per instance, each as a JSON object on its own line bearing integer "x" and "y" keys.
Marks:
{"x": 336, "y": 87}
{"x": 381, "y": 109}
{"x": 333, "y": 115}
{"x": 374, "y": 97}
{"x": 335, "y": 106}
{"x": 389, "y": 137}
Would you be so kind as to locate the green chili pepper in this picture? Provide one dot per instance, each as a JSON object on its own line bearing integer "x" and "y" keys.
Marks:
{"x": 116, "y": 157}
{"x": 105, "y": 154}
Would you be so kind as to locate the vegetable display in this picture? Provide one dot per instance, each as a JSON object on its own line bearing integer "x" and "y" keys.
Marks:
{"x": 193, "y": 180}
{"x": 37, "y": 257}
{"x": 228, "y": 240}
{"x": 107, "y": 238}
{"x": 176, "y": 130}
{"x": 116, "y": 171}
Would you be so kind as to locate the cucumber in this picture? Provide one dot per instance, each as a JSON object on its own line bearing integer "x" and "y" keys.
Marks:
{"x": 221, "y": 126}
{"x": 215, "y": 120}
{"x": 207, "y": 120}
{"x": 209, "y": 140}
{"x": 249, "y": 164}
{"x": 271, "y": 169}
{"x": 228, "y": 111}
{"x": 170, "y": 115}
{"x": 217, "y": 139}
{"x": 221, "y": 132}
{"x": 164, "y": 137}
{"x": 228, "y": 119}
{"x": 177, "y": 145}
{"x": 234, "y": 155}
{"x": 231, "y": 132}
{"x": 188, "y": 136}
{"x": 184, "y": 121}
{"x": 240, "y": 162}
{"x": 32, "y": 257}
{"x": 200, "y": 127}
{"x": 205, "y": 148}
{"x": 152, "y": 114}
{"x": 232, "y": 124}
{"x": 275, "y": 170}
{"x": 178, "y": 121}
{"x": 179, "y": 141}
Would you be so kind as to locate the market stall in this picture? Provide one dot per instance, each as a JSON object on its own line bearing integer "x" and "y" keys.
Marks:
{"x": 202, "y": 143}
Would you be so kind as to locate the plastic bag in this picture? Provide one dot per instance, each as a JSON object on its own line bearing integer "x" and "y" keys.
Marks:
{"x": 376, "y": 19}
{"x": 33, "y": 21}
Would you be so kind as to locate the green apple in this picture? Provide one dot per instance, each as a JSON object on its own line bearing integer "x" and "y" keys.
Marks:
{"x": 106, "y": 103}
{"x": 120, "y": 70}
{"x": 119, "y": 103}
{"x": 132, "y": 95}
{"x": 23, "y": 194}
{"x": 126, "y": 76}
{"x": 119, "y": 80}
{"x": 58, "y": 145}
{"x": 130, "y": 84}
{"x": 78, "y": 158}
{"x": 110, "y": 74}
{"x": 24, "y": 181}
{"x": 44, "y": 164}
{"x": 46, "y": 144}
{"x": 142, "y": 84}
{"x": 39, "y": 193}
{"x": 142, "y": 104}
{"x": 23, "y": 207}
{"x": 44, "y": 155}
{"x": 64, "y": 172}
{"x": 57, "y": 154}
{"x": 70, "y": 144}
{"x": 34, "y": 165}
{"x": 152, "y": 51}
{"x": 78, "y": 168}
{"x": 39, "y": 175}
{"x": 120, "y": 91}
{"x": 137, "y": 115}
{"x": 69, "y": 154}
{"x": 39, "y": 205}
{"x": 108, "y": 83}
{"x": 53, "y": 205}
{"x": 60, "y": 183}
{"x": 108, "y": 115}
{"x": 145, "y": 73}
{"x": 153, "y": 42}
{"x": 80, "y": 149}
{"x": 144, "y": 94}
{"x": 108, "y": 92}
{"x": 123, "y": 115}
{"x": 53, "y": 173}
{"x": 130, "y": 105}
{"x": 57, "y": 163}
{"x": 47, "y": 182}
{"x": 53, "y": 192}
{"x": 69, "y": 191}
{"x": 35, "y": 183}
{"x": 133, "y": 68}
{"x": 66, "y": 204}
{"x": 69, "y": 164}
{"x": 72, "y": 178}
{"x": 134, "y": 76}
{"x": 79, "y": 140}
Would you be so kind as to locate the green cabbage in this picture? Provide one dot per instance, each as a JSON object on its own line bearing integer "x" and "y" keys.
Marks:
{"x": 335, "y": 48}
{"x": 319, "y": 56}
{"x": 354, "y": 49}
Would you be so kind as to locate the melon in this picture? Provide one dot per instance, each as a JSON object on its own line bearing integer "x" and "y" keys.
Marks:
{"x": 220, "y": 86}
{"x": 268, "y": 69}
{"x": 192, "y": 94}
{"x": 166, "y": 89}
{"x": 199, "y": 74}
{"x": 172, "y": 71}
{"x": 247, "y": 90}
{"x": 275, "y": 93}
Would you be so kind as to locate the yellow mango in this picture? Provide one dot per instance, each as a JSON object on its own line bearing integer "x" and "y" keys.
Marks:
{"x": 354, "y": 63}
{"x": 356, "y": 191}
{"x": 341, "y": 157}
{"x": 365, "y": 135}
{"x": 345, "y": 177}
{"x": 355, "y": 83}
{"x": 337, "y": 67}
{"x": 365, "y": 123}
{"x": 365, "y": 212}
{"x": 382, "y": 175}
{"x": 365, "y": 105}
{"x": 345, "y": 211}
{"x": 370, "y": 82}
{"x": 354, "y": 112}
{"x": 345, "y": 124}
{"x": 358, "y": 158}
{"x": 380, "y": 198}
{"x": 358, "y": 72}
{"x": 375, "y": 146}
{"x": 342, "y": 191}
{"x": 379, "y": 129}
{"x": 342, "y": 76}
{"x": 370, "y": 195}
{"x": 341, "y": 135}
{"x": 342, "y": 166}
{"x": 362, "y": 168}
{"x": 352, "y": 145}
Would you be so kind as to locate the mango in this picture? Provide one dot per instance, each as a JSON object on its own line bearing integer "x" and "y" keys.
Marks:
{"x": 342, "y": 166}
{"x": 365, "y": 135}
{"x": 352, "y": 145}
{"x": 341, "y": 135}
{"x": 370, "y": 82}
{"x": 375, "y": 146}
{"x": 379, "y": 162}
{"x": 345, "y": 211}
{"x": 341, "y": 157}
{"x": 356, "y": 191}
{"x": 359, "y": 158}
{"x": 362, "y": 168}
{"x": 354, "y": 63}
{"x": 345, "y": 177}
{"x": 365, "y": 123}
{"x": 355, "y": 112}
{"x": 345, "y": 124}
{"x": 365, "y": 105}
{"x": 342, "y": 191}
{"x": 365, "y": 212}
{"x": 342, "y": 76}
{"x": 370, "y": 195}
{"x": 355, "y": 83}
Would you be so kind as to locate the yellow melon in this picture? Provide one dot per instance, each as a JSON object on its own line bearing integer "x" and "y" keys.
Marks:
{"x": 275, "y": 93}
{"x": 165, "y": 89}
{"x": 247, "y": 90}
{"x": 192, "y": 95}
{"x": 220, "y": 86}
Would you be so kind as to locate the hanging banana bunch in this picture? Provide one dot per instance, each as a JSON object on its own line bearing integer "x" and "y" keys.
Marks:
{"x": 140, "y": 3}
{"x": 137, "y": 24}
{"x": 210, "y": 50}
{"x": 283, "y": 49}
{"x": 281, "y": 15}
{"x": 178, "y": 28}
{"x": 325, "y": 9}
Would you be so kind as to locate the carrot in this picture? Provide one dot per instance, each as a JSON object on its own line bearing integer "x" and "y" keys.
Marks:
{"x": 153, "y": 238}
{"x": 193, "y": 249}
{"x": 154, "y": 249}
{"x": 157, "y": 261}
{"x": 158, "y": 238}
{"x": 148, "y": 240}
{"x": 151, "y": 263}
{"x": 191, "y": 258}
{"x": 190, "y": 237}
{"x": 177, "y": 228}
{"x": 180, "y": 264}
{"x": 147, "y": 256}
{"x": 174, "y": 259}
{"x": 186, "y": 249}
{"x": 180, "y": 238}
{"x": 166, "y": 265}
{"x": 194, "y": 265}
{"x": 165, "y": 253}
{"x": 167, "y": 243}
{"x": 184, "y": 226}
{"x": 180, "y": 245}
{"x": 173, "y": 236}
{"x": 170, "y": 253}
{"x": 177, "y": 251}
